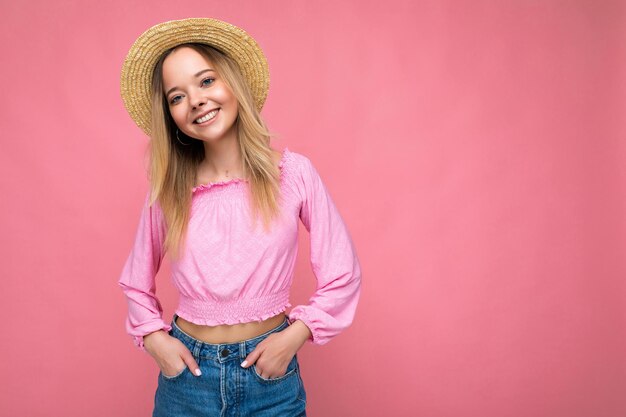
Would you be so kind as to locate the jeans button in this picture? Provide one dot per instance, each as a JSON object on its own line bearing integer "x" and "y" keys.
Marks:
{"x": 225, "y": 353}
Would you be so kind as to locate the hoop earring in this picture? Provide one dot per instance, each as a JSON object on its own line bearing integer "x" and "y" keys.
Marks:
{"x": 180, "y": 140}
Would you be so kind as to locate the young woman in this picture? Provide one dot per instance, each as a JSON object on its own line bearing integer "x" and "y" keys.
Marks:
{"x": 196, "y": 88}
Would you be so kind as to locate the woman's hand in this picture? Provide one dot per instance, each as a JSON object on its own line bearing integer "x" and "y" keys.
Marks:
{"x": 273, "y": 354}
{"x": 170, "y": 354}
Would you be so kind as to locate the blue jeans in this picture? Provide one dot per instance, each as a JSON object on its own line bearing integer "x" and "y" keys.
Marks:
{"x": 226, "y": 389}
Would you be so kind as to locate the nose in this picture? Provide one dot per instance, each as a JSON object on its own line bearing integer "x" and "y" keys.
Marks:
{"x": 197, "y": 99}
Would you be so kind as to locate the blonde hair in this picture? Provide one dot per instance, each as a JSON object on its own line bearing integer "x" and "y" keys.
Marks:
{"x": 173, "y": 167}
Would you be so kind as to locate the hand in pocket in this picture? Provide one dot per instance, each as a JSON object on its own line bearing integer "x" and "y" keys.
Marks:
{"x": 170, "y": 354}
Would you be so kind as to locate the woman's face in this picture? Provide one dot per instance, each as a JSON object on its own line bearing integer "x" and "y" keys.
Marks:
{"x": 200, "y": 102}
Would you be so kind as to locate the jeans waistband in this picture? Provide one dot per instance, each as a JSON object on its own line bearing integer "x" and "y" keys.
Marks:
{"x": 221, "y": 351}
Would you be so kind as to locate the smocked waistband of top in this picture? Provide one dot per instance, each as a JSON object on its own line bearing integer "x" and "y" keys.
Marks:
{"x": 212, "y": 312}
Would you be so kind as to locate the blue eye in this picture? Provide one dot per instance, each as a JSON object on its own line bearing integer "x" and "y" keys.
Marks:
{"x": 204, "y": 84}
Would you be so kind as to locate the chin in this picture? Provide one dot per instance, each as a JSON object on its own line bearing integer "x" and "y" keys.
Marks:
{"x": 210, "y": 138}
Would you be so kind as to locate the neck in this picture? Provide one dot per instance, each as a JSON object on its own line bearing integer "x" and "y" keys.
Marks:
{"x": 222, "y": 159}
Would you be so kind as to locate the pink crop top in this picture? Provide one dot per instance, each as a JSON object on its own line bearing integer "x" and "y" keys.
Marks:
{"x": 234, "y": 273}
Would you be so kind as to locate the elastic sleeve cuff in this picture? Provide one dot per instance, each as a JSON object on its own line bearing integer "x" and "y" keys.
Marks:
{"x": 301, "y": 315}
{"x": 138, "y": 340}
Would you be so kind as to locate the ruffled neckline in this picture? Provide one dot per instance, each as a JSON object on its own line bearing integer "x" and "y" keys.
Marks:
{"x": 223, "y": 183}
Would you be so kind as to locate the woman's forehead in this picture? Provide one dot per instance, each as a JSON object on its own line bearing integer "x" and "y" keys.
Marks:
{"x": 184, "y": 64}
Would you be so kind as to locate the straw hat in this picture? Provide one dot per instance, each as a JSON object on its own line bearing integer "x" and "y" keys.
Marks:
{"x": 139, "y": 64}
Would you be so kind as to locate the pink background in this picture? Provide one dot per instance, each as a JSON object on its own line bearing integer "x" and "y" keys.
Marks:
{"x": 476, "y": 150}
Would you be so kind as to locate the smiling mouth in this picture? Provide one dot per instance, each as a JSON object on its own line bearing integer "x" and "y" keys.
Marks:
{"x": 209, "y": 116}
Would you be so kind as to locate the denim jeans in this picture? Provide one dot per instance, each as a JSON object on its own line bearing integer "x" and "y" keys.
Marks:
{"x": 226, "y": 389}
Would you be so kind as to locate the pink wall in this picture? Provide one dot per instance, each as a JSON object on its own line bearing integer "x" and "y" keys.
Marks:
{"x": 476, "y": 149}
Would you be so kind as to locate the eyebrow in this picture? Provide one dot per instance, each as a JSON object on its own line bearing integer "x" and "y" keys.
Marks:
{"x": 197, "y": 75}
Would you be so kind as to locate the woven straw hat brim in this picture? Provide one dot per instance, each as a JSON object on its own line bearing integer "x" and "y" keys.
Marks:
{"x": 136, "y": 76}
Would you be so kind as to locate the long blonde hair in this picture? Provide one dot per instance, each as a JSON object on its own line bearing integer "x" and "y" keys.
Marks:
{"x": 173, "y": 167}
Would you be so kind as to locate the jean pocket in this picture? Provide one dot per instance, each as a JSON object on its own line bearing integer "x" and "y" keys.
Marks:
{"x": 173, "y": 377}
{"x": 291, "y": 370}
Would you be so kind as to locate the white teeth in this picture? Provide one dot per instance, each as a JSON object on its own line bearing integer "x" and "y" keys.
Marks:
{"x": 209, "y": 116}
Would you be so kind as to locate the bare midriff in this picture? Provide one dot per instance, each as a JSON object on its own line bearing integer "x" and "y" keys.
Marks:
{"x": 229, "y": 333}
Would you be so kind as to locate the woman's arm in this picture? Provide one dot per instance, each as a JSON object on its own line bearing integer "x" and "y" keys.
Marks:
{"x": 137, "y": 280}
{"x": 334, "y": 261}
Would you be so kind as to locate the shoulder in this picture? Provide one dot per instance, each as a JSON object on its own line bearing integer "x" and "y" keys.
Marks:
{"x": 300, "y": 171}
{"x": 296, "y": 161}
{"x": 297, "y": 171}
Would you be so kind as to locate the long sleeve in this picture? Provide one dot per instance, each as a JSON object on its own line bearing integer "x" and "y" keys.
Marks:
{"x": 334, "y": 261}
{"x": 145, "y": 314}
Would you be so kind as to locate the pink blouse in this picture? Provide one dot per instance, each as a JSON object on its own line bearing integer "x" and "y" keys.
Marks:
{"x": 232, "y": 272}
